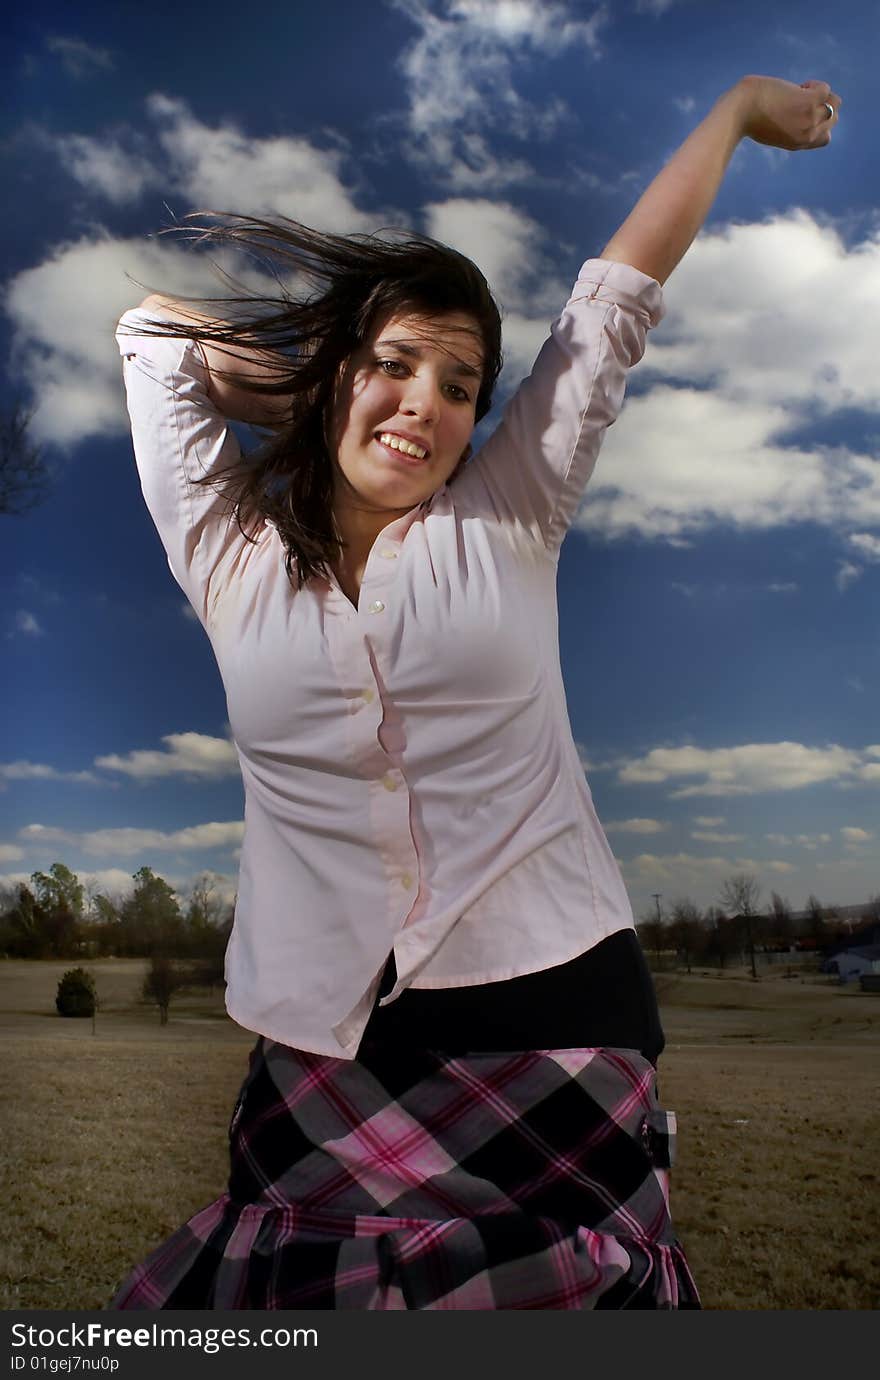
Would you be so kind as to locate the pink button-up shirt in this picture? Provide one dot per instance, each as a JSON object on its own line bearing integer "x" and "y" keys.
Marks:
{"x": 411, "y": 781}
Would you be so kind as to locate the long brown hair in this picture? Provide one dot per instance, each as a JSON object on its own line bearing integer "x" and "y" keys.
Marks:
{"x": 350, "y": 281}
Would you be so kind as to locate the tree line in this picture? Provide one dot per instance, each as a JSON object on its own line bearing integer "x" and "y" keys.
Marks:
{"x": 57, "y": 917}
{"x": 738, "y": 925}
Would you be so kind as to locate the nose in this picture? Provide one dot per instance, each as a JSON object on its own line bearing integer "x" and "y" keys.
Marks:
{"x": 421, "y": 398}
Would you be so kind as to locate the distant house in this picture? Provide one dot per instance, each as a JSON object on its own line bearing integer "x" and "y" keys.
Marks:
{"x": 850, "y": 964}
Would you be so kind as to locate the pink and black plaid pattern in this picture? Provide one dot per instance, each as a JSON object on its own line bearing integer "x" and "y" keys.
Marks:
{"x": 418, "y": 1180}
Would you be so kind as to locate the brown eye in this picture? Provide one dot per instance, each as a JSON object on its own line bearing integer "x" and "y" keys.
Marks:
{"x": 458, "y": 393}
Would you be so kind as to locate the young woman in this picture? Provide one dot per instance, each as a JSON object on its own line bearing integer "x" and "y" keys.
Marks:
{"x": 452, "y": 1101}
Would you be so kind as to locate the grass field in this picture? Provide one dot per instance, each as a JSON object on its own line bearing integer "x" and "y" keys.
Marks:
{"x": 111, "y": 1139}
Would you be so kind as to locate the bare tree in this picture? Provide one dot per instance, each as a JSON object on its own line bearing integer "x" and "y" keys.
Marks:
{"x": 24, "y": 474}
{"x": 685, "y": 928}
{"x": 740, "y": 895}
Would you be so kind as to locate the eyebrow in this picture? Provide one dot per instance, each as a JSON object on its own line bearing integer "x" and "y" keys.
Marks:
{"x": 466, "y": 370}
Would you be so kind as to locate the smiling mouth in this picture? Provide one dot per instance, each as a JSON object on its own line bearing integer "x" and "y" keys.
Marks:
{"x": 411, "y": 450}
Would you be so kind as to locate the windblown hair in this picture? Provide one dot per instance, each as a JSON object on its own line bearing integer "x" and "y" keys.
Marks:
{"x": 349, "y": 282}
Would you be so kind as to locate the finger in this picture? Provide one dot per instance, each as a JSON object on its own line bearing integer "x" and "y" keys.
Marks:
{"x": 818, "y": 88}
{"x": 827, "y": 114}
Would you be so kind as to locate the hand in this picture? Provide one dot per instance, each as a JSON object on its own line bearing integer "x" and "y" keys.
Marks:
{"x": 786, "y": 116}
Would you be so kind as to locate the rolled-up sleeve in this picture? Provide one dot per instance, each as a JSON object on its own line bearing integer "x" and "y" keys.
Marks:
{"x": 179, "y": 437}
{"x": 533, "y": 470}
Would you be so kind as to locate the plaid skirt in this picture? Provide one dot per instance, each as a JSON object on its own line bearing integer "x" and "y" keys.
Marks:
{"x": 419, "y": 1180}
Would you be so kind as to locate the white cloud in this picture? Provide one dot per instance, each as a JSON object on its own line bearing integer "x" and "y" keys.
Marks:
{"x": 109, "y": 881}
{"x": 711, "y": 836}
{"x": 214, "y": 167}
{"x": 26, "y": 623}
{"x": 708, "y": 821}
{"x": 10, "y": 852}
{"x": 683, "y": 459}
{"x": 809, "y": 841}
{"x": 191, "y": 755}
{"x": 507, "y": 244}
{"x": 80, "y": 59}
{"x": 683, "y": 868}
{"x": 855, "y": 835}
{"x": 64, "y": 312}
{"x": 847, "y": 574}
{"x": 635, "y": 826}
{"x": 866, "y": 545}
{"x": 746, "y": 325}
{"x": 107, "y": 167}
{"x": 220, "y": 168}
{"x": 750, "y": 769}
{"x": 130, "y": 842}
{"x": 783, "y": 587}
{"x": 460, "y": 78}
{"x": 38, "y": 771}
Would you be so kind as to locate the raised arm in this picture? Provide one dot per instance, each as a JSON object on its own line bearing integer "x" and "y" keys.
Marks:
{"x": 227, "y": 366}
{"x": 659, "y": 230}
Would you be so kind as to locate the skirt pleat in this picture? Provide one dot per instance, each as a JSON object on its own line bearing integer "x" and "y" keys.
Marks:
{"x": 536, "y": 1179}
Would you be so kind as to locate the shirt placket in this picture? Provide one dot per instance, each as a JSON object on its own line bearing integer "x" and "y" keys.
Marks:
{"x": 361, "y": 646}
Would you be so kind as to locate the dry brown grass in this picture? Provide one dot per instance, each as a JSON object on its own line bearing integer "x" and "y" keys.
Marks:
{"x": 112, "y": 1140}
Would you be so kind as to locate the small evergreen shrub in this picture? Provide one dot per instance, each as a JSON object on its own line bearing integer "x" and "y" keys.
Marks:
{"x": 76, "y": 994}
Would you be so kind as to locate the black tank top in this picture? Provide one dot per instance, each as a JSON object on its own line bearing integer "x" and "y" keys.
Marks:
{"x": 603, "y": 998}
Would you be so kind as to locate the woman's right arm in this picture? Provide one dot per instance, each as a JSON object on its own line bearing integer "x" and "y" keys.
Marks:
{"x": 227, "y": 365}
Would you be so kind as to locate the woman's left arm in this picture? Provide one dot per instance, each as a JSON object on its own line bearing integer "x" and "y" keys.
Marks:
{"x": 662, "y": 225}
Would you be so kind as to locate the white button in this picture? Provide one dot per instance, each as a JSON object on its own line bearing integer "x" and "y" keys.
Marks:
{"x": 390, "y": 782}
{"x": 406, "y": 880}
{"x": 387, "y": 554}
{"x": 368, "y": 695}
{"x": 377, "y": 606}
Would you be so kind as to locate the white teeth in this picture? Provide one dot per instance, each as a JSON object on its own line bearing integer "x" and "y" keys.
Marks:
{"x": 398, "y": 443}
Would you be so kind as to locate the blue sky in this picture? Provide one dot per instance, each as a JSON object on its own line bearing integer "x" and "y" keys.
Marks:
{"x": 718, "y": 596}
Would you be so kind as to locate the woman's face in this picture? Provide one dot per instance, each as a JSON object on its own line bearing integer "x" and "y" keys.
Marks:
{"x": 403, "y": 413}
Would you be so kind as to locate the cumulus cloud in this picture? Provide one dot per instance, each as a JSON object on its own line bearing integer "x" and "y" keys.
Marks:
{"x": 854, "y": 836}
{"x": 109, "y": 167}
{"x": 636, "y": 826}
{"x": 683, "y": 459}
{"x": 865, "y": 545}
{"x": 749, "y": 769}
{"x": 10, "y": 852}
{"x": 212, "y": 165}
{"x": 682, "y": 868}
{"x": 109, "y": 881}
{"x": 506, "y": 243}
{"x": 708, "y": 821}
{"x": 190, "y": 755}
{"x": 217, "y": 167}
{"x": 734, "y": 379}
{"x": 131, "y": 842}
{"x": 64, "y": 311}
{"x": 460, "y": 79}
